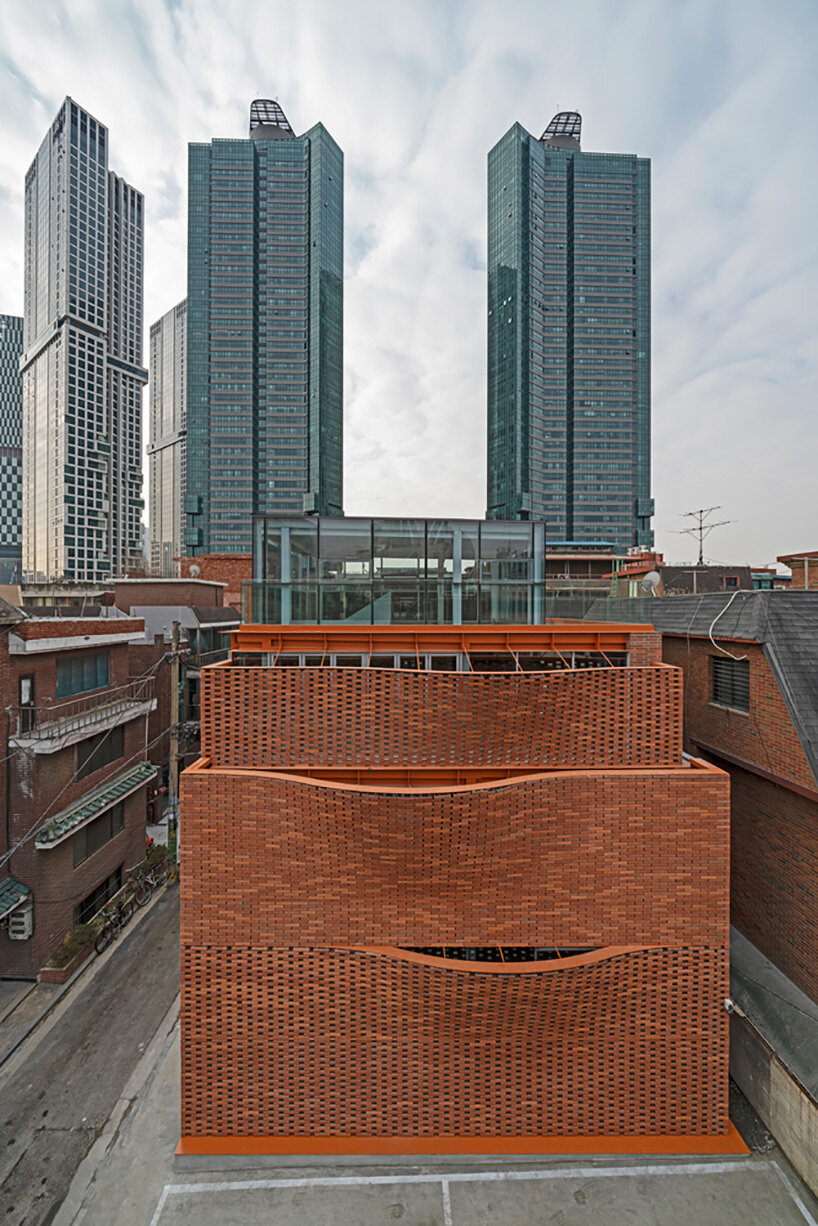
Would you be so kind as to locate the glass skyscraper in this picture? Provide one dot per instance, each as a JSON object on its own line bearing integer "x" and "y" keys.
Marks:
{"x": 82, "y": 360}
{"x": 264, "y": 330}
{"x": 569, "y": 336}
{"x": 11, "y": 438}
{"x": 166, "y": 440}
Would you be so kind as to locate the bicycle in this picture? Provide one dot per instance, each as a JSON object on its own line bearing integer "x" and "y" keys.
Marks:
{"x": 114, "y": 921}
{"x": 150, "y": 881}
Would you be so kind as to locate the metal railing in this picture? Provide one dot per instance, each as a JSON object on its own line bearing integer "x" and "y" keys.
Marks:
{"x": 201, "y": 658}
{"x": 61, "y": 718}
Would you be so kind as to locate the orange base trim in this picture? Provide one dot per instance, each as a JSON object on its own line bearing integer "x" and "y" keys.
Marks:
{"x": 730, "y": 1143}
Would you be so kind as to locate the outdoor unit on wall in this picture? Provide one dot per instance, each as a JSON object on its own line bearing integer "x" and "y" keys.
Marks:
{"x": 21, "y": 923}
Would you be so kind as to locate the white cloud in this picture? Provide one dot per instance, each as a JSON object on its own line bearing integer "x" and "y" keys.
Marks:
{"x": 718, "y": 92}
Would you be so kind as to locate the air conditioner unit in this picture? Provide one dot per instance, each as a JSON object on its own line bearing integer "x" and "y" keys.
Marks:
{"x": 21, "y": 923}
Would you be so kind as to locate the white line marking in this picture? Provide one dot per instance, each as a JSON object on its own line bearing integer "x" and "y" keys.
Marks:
{"x": 584, "y": 1172}
{"x": 447, "y": 1202}
{"x": 574, "y": 1172}
{"x": 160, "y": 1206}
{"x": 805, "y": 1213}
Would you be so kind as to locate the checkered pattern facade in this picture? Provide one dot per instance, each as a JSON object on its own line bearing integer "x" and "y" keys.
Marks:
{"x": 342, "y": 885}
{"x": 11, "y": 440}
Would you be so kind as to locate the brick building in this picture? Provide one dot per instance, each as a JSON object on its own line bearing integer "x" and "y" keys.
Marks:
{"x": 76, "y": 770}
{"x": 751, "y": 706}
{"x": 231, "y": 569}
{"x": 804, "y": 567}
{"x": 448, "y": 888}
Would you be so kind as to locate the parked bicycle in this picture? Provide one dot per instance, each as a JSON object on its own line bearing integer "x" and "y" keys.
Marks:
{"x": 150, "y": 881}
{"x": 114, "y": 920}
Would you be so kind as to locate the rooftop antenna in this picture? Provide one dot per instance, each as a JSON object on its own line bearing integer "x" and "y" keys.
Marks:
{"x": 702, "y": 528}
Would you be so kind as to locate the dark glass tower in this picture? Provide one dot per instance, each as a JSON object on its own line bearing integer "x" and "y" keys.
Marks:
{"x": 264, "y": 330}
{"x": 569, "y": 336}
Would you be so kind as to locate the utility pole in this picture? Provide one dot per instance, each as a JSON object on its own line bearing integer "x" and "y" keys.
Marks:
{"x": 173, "y": 774}
{"x": 701, "y": 528}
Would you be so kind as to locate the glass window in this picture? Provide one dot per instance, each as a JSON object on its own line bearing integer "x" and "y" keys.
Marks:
{"x": 99, "y": 832}
{"x": 98, "y": 751}
{"x": 399, "y": 548}
{"x": 345, "y": 550}
{"x": 78, "y": 674}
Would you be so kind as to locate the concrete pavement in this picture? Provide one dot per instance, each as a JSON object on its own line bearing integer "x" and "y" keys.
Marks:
{"x": 59, "y": 1088}
{"x": 130, "y": 1178}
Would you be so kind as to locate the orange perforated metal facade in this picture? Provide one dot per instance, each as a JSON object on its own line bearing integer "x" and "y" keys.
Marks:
{"x": 306, "y": 1018}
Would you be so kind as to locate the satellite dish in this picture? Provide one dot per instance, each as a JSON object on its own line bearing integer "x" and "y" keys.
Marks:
{"x": 196, "y": 570}
{"x": 650, "y": 582}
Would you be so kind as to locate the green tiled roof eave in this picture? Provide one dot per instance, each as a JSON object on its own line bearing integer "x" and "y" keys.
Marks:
{"x": 12, "y": 892}
{"x": 92, "y": 804}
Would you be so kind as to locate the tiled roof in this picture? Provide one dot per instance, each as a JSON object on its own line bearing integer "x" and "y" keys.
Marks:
{"x": 784, "y": 623}
{"x": 92, "y": 804}
{"x": 12, "y": 892}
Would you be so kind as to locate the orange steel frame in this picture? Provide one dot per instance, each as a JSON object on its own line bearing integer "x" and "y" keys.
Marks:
{"x": 388, "y": 779}
{"x": 557, "y": 637}
{"x": 730, "y": 1143}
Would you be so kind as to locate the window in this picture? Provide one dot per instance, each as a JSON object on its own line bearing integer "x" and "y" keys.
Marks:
{"x": 99, "y": 751}
{"x": 731, "y": 683}
{"x": 82, "y": 673}
{"x": 98, "y": 832}
{"x": 97, "y": 899}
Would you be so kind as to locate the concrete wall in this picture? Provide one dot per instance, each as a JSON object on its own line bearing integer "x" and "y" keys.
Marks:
{"x": 787, "y": 1110}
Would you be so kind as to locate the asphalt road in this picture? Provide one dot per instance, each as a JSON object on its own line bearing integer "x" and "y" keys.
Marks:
{"x": 54, "y": 1105}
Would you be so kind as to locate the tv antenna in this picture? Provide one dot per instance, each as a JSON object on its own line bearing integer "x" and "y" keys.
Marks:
{"x": 702, "y": 528}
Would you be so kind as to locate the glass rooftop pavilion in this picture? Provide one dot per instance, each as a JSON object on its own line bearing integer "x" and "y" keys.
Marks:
{"x": 314, "y": 570}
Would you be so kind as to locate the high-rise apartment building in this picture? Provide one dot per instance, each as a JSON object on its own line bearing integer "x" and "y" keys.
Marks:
{"x": 166, "y": 445}
{"x": 265, "y": 323}
{"x": 11, "y": 438}
{"x": 569, "y": 336}
{"x": 82, "y": 360}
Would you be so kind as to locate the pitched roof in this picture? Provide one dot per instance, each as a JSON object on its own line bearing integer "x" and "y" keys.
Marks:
{"x": 83, "y": 811}
{"x": 12, "y": 893}
{"x": 784, "y": 623}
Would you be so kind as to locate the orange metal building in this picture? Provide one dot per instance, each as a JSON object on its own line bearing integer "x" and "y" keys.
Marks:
{"x": 451, "y": 889}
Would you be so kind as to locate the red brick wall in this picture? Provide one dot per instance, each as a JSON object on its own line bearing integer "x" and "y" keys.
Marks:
{"x": 367, "y": 717}
{"x": 167, "y": 592}
{"x": 64, "y": 627}
{"x": 337, "y": 1042}
{"x": 803, "y": 577}
{"x": 58, "y": 887}
{"x": 774, "y": 883}
{"x": 644, "y": 649}
{"x": 229, "y": 568}
{"x": 574, "y": 859}
{"x": 764, "y": 737}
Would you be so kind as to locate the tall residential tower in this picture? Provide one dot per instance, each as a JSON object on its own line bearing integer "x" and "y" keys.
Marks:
{"x": 11, "y": 438}
{"x": 569, "y": 336}
{"x": 166, "y": 440}
{"x": 82, "y": 359}
{"x": 264, "y": 335}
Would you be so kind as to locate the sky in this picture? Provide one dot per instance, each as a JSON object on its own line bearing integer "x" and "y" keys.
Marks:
{"x": 722, "y": 95}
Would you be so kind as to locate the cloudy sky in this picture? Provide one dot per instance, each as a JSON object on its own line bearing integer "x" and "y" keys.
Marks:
{"x": 721, "y": 94}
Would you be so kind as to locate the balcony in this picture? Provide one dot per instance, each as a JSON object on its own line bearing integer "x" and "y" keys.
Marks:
{"x": 49, "y": 728}
{"x": 200, "y": 659}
